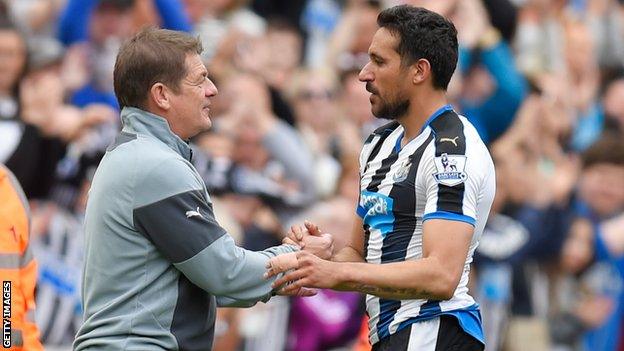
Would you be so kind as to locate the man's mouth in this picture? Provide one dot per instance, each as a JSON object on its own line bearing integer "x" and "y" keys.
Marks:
{"x": 370, "y": 89}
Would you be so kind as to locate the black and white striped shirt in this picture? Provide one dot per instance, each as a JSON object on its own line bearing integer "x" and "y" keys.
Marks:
{"x": 446, "y": 172}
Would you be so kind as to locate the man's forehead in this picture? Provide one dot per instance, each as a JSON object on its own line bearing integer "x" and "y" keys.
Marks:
{"x": 384, "y": 42}
{"x": 195, "y": 64}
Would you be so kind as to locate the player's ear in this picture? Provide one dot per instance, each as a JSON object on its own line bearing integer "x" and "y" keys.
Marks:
{"x": 160, "y": 94}
{"x": 421, "y": 70}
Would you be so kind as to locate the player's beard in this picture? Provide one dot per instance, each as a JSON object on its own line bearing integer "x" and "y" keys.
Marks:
{"x": 391, "y": 110}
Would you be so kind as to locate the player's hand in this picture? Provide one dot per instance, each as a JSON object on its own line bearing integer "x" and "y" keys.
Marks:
{"x": 320, "y": 246}
{"x": 311, "y": 239}
{"x": 297, "y": 233}
{"x": 284, "y": 263}
{"x": 309, "y": 272}
{"x": 301, "y": 292}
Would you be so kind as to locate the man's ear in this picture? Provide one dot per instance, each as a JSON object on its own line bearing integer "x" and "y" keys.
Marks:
{"x": 421, "y": 71}
{"x": 160, "y": 95}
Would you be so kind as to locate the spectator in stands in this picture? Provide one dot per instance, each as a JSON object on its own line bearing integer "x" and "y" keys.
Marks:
{"x": 99, "y": 27}
{"x": 589, "y": 251}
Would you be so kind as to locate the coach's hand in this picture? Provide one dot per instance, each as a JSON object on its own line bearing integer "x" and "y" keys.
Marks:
{"x": 311, "y": 239}
{"x": 309, "y": 272}
{"x": 285, "y": 263}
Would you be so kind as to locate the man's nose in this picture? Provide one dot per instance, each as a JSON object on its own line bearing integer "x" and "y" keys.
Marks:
{"x": 365, "y": 74}
{"x": 211, "y": 89}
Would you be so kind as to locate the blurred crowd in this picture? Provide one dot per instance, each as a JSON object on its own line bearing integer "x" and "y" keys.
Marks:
{"x": 542, "y": 80}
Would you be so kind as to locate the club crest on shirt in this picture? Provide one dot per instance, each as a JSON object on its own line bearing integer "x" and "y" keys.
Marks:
{"x": 450, "y": 169}
{"x": 401, "y": 173}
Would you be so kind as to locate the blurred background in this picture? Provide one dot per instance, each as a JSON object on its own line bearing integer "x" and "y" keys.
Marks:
{"x": 542, "y": 80}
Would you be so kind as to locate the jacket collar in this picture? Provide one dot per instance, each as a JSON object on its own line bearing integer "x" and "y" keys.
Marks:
{"x": 138, "y": 121}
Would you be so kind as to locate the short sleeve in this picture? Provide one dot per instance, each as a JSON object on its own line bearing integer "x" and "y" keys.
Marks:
{"x": 452, "y": 184}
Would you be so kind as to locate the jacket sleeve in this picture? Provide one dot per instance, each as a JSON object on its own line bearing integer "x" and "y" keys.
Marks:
{"x": 224, "y": 301}
{"x": 174, "y": 212}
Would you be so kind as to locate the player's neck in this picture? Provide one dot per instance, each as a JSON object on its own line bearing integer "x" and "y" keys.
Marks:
{"x": 421, "y": 108}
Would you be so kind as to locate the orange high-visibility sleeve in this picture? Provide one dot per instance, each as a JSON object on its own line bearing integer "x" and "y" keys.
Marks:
{"x": 17, "y": 264}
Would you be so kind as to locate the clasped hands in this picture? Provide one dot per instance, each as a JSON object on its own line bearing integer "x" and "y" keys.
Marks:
{"x": 306, "y": 269}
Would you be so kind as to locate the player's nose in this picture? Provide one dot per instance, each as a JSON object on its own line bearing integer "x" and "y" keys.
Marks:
{"x": 366, "y": 75}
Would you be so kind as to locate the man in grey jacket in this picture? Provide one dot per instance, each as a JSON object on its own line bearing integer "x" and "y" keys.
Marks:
{"x": 157, "y": 264}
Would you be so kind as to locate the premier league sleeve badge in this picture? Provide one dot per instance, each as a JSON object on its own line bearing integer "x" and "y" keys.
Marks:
{"x": 450, "y": 169}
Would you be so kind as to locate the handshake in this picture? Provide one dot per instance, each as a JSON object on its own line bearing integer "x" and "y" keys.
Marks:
{"x": 304, "y": 269}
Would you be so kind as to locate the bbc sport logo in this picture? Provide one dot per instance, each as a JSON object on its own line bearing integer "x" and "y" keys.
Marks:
{"x": 6, "y": 314}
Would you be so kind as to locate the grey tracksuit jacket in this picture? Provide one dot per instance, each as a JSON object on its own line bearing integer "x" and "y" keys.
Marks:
{"x": 157, "y": 264}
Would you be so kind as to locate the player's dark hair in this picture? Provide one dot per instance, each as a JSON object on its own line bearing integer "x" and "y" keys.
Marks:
{"x": 609, "y": 149}
{"x": 423, "y": 34}
{"x": 151, "y": 56}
